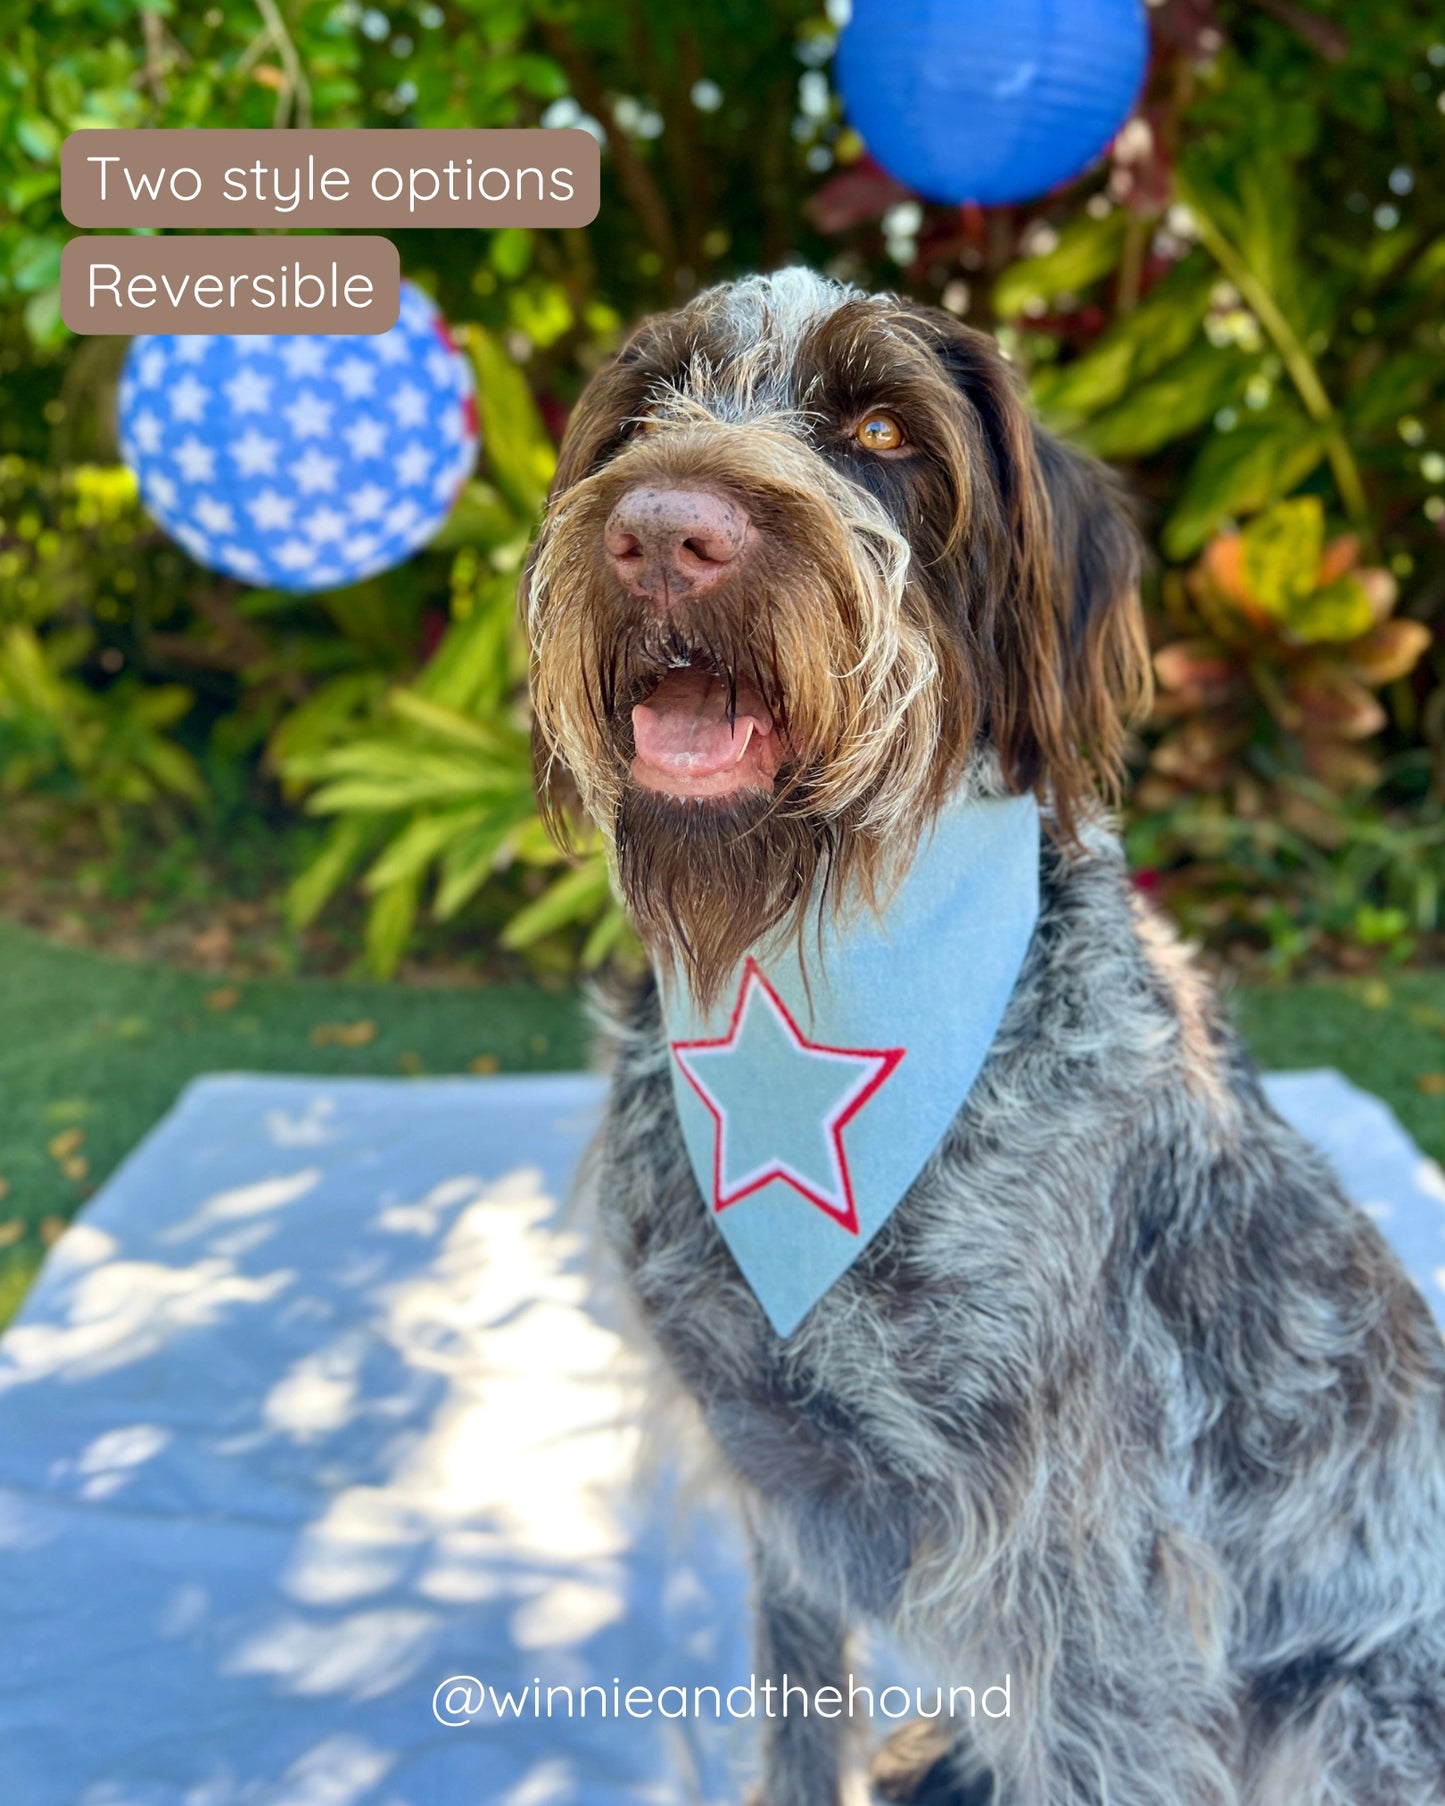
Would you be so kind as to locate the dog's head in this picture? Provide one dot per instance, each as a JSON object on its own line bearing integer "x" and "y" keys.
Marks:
{"x": 807, "y": 568}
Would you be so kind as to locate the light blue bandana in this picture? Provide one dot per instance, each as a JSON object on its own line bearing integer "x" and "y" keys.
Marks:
{"x": 807, "y": 1118}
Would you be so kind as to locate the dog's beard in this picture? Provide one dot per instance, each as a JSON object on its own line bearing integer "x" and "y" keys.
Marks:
{"x": 705, "y": 882}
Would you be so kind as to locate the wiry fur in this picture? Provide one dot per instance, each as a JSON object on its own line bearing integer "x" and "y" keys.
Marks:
{"x": 1124, "y": 1399}
{"x": 891, "y": 621}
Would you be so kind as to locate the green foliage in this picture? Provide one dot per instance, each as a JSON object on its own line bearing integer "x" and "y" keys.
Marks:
{"x": 113, "y": 746}
{"x": 104, "y": 742}
{"x": 1263, "y": 774}
{"x": 431, "y": 780}
{"x": 1241, "y": 304}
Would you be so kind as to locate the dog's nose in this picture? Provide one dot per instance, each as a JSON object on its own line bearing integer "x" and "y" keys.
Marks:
{"x": 666, "y": 543}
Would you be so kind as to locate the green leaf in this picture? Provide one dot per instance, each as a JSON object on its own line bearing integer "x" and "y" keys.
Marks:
{"x": 36, "y": 265}
{"x": 609, "y": 930}
{"x": 1398, "y": 386}
{"x": 511, "y": 251}
{"x": 1175, "y": 402}
{"x": 389, "y": 923}
{"x": 34, "y": 185}
{"x": 1340, "y": 611}
{"x": 1238, "y": 473}
{"x": 42, "y": 319}
{"x": 1268, "y": 224}
{"x": 342, "y": 852}
{"x": 575, "y": 897}
{"x": 160, "y": 705}
{"x": 173, "y": 768}
{"x": 393, "y": 774}
{"x": 514, "y": 439}
{"x": 1068, "y": 394}
{"x": 327, "y": 714}
{"x": 1282, "y": 551}
{"x": 471, "y": 669}
{"x": 480, "y": 517}
{"x": 1164, "y": 326}
{"x": 1087, "y": 249}
{"x": 421, "y": 841}
{"x": 466, "y": 730}
{"x": 468, "y": 864}
{"x": 37, "y": 136}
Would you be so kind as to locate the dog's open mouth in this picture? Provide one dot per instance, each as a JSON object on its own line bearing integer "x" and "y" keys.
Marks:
{"x": 695, "y": 737}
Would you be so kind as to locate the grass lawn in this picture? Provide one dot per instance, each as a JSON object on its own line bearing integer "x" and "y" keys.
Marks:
{"x": 95, "y": 1049}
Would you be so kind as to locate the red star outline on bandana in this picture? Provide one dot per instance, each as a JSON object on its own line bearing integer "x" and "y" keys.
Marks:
{"x": 887, "y": 1059}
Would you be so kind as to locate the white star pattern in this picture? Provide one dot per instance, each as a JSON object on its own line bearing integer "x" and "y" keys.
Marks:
{"x": 271, "y": 510}
{"x": 255, "y": 454}
{"x": 196, "y": 462}
{"x": 314, "y": 472}
{"x": 303, "y": 357}
{"x": 243, "y": 562}
{"x": 309, "y": 415}
{"x": 214, "y": 516}
{"x": 297, "y": 460}
{"x": 146, "y": 432}
{"x": 162, "y": 491}
{"x": 369, "y": 502}
{"x": 408, "y": 404}
{"x": 411, "y": 465}
{"x": 326, "y": 524}
{"x": 357, "y": 380}
{"x": 188, "y": 399}
{"x": 249, "y": 392}
{"x": 366, "y": 437}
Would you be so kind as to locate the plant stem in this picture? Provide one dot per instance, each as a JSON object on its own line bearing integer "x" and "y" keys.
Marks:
{"x": 295, "y": 96}
{"x": 1286, "y": 341}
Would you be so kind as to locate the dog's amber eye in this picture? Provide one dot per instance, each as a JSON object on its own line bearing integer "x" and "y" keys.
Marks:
{"x": 879, "y": 433}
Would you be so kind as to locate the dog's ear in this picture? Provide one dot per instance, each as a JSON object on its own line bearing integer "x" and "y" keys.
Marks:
{"x": 595, "y": 425}
{"x": 610, "y": 401}
{"x": 1054, "y": 588}
{"x": 1086, "y": 582}
{"x": 596, "y": 422}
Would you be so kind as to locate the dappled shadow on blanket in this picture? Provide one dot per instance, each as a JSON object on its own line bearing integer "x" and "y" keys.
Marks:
{"x": 310, "y": 1414}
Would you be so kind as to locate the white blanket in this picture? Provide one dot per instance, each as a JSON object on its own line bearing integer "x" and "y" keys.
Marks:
{"x": 309, "y": 1412}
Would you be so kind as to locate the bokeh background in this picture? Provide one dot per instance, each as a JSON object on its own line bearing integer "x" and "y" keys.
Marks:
{"x": 229, "y": 813}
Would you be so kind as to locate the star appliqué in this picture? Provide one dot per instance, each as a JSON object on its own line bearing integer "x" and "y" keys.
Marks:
{"x": 780, "y": 1102}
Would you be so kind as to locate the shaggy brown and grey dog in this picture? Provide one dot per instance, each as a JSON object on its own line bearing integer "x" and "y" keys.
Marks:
{"x": 1124, "y": 1399}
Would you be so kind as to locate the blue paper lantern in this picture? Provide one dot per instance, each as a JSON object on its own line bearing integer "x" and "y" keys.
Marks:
{"x": 301, "y": 462}
{"x": 990, "y": 100}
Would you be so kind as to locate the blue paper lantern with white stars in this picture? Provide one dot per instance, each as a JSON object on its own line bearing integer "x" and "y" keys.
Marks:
{"x": 990, "y": 100}
{"x": 301, "y": 462}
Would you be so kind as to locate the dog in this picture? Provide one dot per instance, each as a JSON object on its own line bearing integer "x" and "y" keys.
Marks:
{"x": 1124, "y": 1398}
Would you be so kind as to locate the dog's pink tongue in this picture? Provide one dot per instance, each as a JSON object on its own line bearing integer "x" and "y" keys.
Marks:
{"x": 682, "y": 731}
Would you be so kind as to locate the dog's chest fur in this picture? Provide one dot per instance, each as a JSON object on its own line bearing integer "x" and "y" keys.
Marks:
{"x": 1096, "y": 1324}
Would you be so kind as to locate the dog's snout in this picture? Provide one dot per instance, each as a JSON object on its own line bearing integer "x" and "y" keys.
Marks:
{"x": 665, "y": 543}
